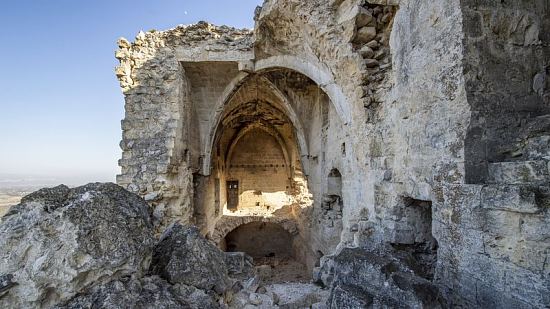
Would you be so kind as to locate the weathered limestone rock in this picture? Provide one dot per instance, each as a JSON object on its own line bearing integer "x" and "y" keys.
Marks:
{"x": 519, "y": 172}
{"x": 60, "y": 241}
{"x": 184, "y": 256}
{"x": 148, "y": 292}
{"x": 297, "y": 295}
{"x": 6, "y": 283}
{"x": 511, "y": 198}
{"x": 284, "y": 295}
{"x": 360, "y": 278}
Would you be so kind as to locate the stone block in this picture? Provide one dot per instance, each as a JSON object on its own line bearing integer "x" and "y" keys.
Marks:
{"x": 246, "y": 66}
{"x": 365, "y": 34}
{"x": 366, "y": 52}
{"x": 184, "y": 256}
{"x": 509, "y": 198}
{"x": 364, "y": 18}
{"x": 519, "y": 172}
{"x": 538, "y": 147}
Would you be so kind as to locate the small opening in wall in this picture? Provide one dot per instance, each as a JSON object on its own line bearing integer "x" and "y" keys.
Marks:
{"x": 343, "y": 148}
{"x": 319, "y": 254}
{"x": 413, "y": 237}
{"x": 334, "y": 185}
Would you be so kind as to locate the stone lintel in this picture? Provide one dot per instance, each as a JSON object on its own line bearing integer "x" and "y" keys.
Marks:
{"x": 201, "y": 54}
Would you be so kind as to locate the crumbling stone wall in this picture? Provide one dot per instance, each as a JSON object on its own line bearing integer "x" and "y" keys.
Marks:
{"x": 440, "y": 103}
{"x": 497, "y": 220}
{"x": 506, "y": 48}
{"x": 158, "y": 129}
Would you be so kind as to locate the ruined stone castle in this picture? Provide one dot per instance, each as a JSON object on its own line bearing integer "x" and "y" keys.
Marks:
{"x": 348, "y": 130}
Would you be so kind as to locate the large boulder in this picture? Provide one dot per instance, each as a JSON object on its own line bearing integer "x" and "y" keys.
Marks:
{"x": 184, "y": 256}
{"x": 144, "y": 293}
{"x": 60, "y": 241}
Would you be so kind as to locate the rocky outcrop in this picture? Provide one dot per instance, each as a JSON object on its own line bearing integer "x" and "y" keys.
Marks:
{"x": 94, "y": 247}
{"x": 361, "y": 278}
{"x": 184, "y": 256}
{"x": 59, "y": 241}
{"x": 149, "y": 292}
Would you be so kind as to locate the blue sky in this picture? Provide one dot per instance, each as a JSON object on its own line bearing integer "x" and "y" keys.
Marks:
{"x": 60, "y": 103}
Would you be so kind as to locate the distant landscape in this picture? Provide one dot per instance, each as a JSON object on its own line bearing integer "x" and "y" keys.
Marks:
{"x": 7, "y": 200}
{"x": 14, "y": 187}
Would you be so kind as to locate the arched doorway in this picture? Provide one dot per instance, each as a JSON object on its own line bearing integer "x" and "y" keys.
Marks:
{"x": 272, "y": 247}
{"x": 260, "y": 240}
{"x": 259, "y": 147}
{"x": 269, "y": 156}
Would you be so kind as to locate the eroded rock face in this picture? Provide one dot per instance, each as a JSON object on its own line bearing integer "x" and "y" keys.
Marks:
{"x": 184, "y": 256}
{"x": 360, "y": 278}
{"x": 59, "y": 241}
{"x": 148, "y": 292}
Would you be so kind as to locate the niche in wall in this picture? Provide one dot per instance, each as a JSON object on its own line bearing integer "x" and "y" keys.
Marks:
{"x": 334, "y": 183}
{"x": 332, "y": 203}
{"x": 412, "y": 235}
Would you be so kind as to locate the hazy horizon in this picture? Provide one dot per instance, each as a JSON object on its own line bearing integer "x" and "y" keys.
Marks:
{"x": 25, "y": 182}
{"x": 61, "y": 104}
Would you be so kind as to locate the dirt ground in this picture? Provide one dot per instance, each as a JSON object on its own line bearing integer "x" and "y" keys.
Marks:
{"x": 284, "y": 270}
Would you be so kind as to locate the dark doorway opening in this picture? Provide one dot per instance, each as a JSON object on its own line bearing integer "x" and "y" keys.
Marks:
{"x": 233, "y": 194}
{"x": 269, "y": 244}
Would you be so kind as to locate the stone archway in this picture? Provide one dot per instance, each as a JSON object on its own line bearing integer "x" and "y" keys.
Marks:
{"x": 274, "y": 243}
{"x": 226, "y": 224}
{"x": 267, "y": 138}
{"x": 316, "y": 72}
{"x": 266, "y": 129}
{"x": 259, "y": 240}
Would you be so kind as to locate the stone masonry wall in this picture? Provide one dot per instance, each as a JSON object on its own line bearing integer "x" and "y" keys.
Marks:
{"x": 413, "y": 135}
{"x": 156, "y": 131}
{"x": 259, "y": 166}
{"x": 441, "y": 105}
{"x": 496, "y": 222}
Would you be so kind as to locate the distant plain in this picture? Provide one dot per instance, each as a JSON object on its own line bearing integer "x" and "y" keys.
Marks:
{"x": 13, "y": 188}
